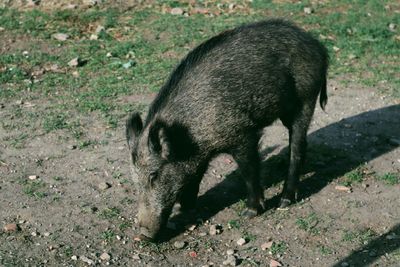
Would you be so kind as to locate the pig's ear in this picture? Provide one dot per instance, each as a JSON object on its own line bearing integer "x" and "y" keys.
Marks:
{"x": 172, "y": 142}
{"x": 134, "y": 126}
{"x": 159, "y": 141}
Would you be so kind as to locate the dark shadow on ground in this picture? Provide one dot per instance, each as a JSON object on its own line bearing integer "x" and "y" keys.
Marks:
{"x": 332, "y": 151}
{"x": 376, "y": 248}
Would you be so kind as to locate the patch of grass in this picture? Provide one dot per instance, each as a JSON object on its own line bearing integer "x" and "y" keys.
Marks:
{"x": 110, "y": 213}
{"x": 19, "y": 140}
{"x": 54, "y": 121}
{"x": 108, "y": 235}
{"x": 309, "y": 223}
{"x": 354, "y": 176}
{"x": 124, "y": 225}
{"x": 278, "y": 248}
{"x": 390, "y": 178}
{"x": 34, "y": 189}
{"x": 359, "y": 236}
{"x": 234, "y": 224}
{"x": 324, "y": 250}
{"x": 248, "y": 236}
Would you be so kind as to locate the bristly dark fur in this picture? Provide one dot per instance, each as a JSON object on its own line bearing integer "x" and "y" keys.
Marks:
{"x": 217, "y": 100}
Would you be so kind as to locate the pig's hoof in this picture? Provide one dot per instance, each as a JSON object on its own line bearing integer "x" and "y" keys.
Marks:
{"x": 285, "y": 203}
{"x": 250, "y": 213}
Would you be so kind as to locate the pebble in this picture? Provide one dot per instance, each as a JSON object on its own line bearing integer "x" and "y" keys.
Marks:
{"x": 392, "y": 27}
{"x": 308, "y": 10}
{"x": 33, "y": 177}
{"x": 231, "y": 260}
{"x": 230, "y": 252}
{"x": 60, "y": 36}
{"x": 76, "y": 62}
{"x": 74, "y": 258}
{"x": 215, "y": 229}
{"x": 266, "y": 245}
{"x": 177, "y": 11}
{"x": 72, "y": 147}
{"x": 104, "y": 186}
{"x": 93, "y": 37}
{"x": 99, "y": 29}
{"x": 343, "y": 188}
{"x": 11, "y": 227}
{"x": 179, "y": 244}
{"x": 86, "y": 260}
{"x": 274, "y": 263}
{"x": 105, "y": 256}
{"x": 192, "y": 227}
{"x": 1, "y": 29}
{"x": 109, "y": 54}
{"x": 34, "y": 234}
{"x": 136, "y": 257}
{"x": 47, "y": 234}
{"x": 241, "y": 242}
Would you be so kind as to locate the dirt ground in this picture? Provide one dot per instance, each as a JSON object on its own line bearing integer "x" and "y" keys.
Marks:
{"x": 76, "y": 206}
{"x": 76, "y": 222}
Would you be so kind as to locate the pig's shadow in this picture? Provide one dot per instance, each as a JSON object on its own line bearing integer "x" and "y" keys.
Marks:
{"x": 332, "y": 151}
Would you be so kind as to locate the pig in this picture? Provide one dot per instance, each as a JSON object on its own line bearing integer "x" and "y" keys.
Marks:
{"x": 217, "y": 100}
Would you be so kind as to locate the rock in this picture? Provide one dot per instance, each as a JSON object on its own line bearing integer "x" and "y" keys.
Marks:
{"x": 74, "y": 258}
{"x": 33, "y": 177}
{"x": 71, "y": 6}
{"x": 274, "y": 263}
{"x": 61, "y": 36}
{"x": 192, "y": 227}
{"x": 128, "y": 64}
{"x": 76, "y": 62}
{"x": 391, "y": 236}
{"x": 231, "y": 260}
{"x": 1, "y": 29}
{"x": 266, "y": 245}
{"x": 34, "y": 233}
{"x": 11, "y": 227}
{"x": 343, "y": 188}
{"x": 308, "y": 10}
{"x": 372, "y": 253}
{"x": 176, "y": 11}
{"x": 230, "y": 252}
{"x": 336, "y": 49}
{"x": 32, "y": 3}
{"x": 109, "y": 54}
{"x": 46, "y": 234}
{"x": 105, "y": 256}
{"x": 136, "y": 257}
{"x": 344, "y": 264}
{"x": 75, "y": 74}
{"x": 215, "y": 229}
{"x": 179, "y": 244}
{"x": 87, "y": 260}
{"x": 392, "y": 27}
{"x": 193, "y": 254}
{"x": 99, "y": 29}
{"x": 72, "y": 147}
{"x": 241, "y": 241}
{"x": 104, "y": 186}
{"x": 93, "y": 37}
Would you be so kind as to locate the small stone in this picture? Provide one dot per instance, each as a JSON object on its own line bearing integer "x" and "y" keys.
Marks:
{"x": 336, "y": 49}
{"x": 46, "y": 234}
{"x": 308, "y": 10}
{"x": 104, "y": 186}
{"x": 71, "y": 6}
{"x": 33, "y": 177}
{"x": 99, "y": 29}
{"x": 192, "y": 227}
{"x": 60, "y": 36}
{"x": 34, "y": 233}
{"x": 266, "y": 245}
{"x": 19, "y": 102}
{"x": 136, "y": 257}
{"x": 392, "y": 27}
{"x": 231, "y": 260}
{"x": 176, "y": 11}
{"x": 343, "y": 188}
{"x": 74, "y": 258}
{"x": 230, "y": 252}
{"x": 105, "y": 256}
{"x": 193, "y": 254}
{"x": 72, "y": 147}
{"x": 1, "y": 29}
{"x": 75, "y": 74}
{"x": 274, "y": 263}
{"x": 93, "y": 37}
{"x": 179, "y": 244}
{"x": 109, "y": 54}
{"x": 241, "y": 242}
{"x": 87, "y": 260}
{"x": 215, "y": 229}
{"x": 76, "y": 62}
{"x": 11, "y": 227}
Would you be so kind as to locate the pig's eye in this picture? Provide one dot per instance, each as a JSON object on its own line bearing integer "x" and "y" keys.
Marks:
{"x": 153, "y": 177}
